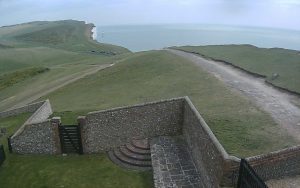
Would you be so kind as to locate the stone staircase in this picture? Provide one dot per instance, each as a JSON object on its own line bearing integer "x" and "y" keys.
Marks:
{"x": 135, "y": 155}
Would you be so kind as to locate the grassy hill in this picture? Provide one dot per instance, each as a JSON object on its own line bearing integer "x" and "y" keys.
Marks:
{"x": 67, "y": 34}
{"x": 63, "y": 47}
{"x": 264, "y": 61}
{"x": 241, "y": 127}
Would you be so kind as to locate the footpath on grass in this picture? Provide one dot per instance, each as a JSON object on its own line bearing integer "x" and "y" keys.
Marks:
{"x": 276, "y": 102}
{"x": 29, "y": 96}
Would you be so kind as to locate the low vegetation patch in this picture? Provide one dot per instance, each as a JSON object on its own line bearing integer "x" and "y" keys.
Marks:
{"x": 280, "y": 66}
{"x": 9, "y": 79}
{"x": 2, "y": 46}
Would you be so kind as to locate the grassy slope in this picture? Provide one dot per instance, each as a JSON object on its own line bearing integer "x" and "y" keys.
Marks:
{"x": 33, "y": 48}
{"x": 58, "y": 171}
{"x": 241, "y": 127}
{"x": 258, "y": 60}
{"x": 49, "y": 43}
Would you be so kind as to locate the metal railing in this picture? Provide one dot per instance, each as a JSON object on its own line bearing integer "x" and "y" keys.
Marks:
{"x": 248, "y": 177}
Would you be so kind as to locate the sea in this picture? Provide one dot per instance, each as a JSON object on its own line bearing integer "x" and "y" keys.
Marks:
{"x": 151, "y": 37}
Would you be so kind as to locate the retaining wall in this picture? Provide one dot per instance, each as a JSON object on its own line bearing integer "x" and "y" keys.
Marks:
{"x": 38, "y": 135}
{"x": 105, "y": 130}
{"x": 37, "y": 138}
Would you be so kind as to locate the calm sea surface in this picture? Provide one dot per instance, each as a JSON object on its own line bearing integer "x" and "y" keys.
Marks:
{"x": 148, "y": 37}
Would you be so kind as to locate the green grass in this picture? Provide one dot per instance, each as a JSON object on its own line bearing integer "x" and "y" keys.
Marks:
{"x": 9, "y": 79}
{"x": 12, "y": 124}
{"x": 58, "y": 171}
{"x": 69, "y": 172}
{"x": 241, "y": 127}
{"x": 263, "y": 61}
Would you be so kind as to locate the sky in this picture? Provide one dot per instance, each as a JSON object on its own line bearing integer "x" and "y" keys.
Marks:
{"x": 262, "y": 13}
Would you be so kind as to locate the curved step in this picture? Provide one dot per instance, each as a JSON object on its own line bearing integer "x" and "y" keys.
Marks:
{"x": 125, "y": 165}
{"x": 141, "y": 144}
{"x": 138, "y": 150}
{"x": 130, "y": 161}
{"x": 128, "y": 153}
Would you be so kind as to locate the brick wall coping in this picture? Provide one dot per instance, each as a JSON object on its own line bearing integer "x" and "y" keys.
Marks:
{"x": 137, "y": 105}
{"x": 275, "y": 155}
{"x": 16, "y": 111}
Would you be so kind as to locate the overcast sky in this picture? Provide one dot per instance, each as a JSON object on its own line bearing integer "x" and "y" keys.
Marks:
{"x": 266, "y": 13}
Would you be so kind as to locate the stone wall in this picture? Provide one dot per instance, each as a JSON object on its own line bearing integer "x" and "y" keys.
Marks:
{"x": 208, "y": 154}
{"x": 27, "y": 108}
{"x": 38, "y": 135}
{"x": 41, "y": 114}
{"x": 37, "y": 138}
{"x": 104, "y": 130}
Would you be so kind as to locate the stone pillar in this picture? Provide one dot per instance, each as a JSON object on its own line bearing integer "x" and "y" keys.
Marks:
{"x": 82, "y": 123}
{"x": 230, "y": 172}
{"x": 55, "y": 122}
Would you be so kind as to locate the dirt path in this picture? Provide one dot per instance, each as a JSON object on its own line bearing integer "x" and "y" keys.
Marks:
{"x": 29, "y": 96}
{"x": 279, "y": 104}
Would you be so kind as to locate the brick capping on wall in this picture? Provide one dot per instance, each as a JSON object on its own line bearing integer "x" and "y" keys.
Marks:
{"x": 277, "y": 164}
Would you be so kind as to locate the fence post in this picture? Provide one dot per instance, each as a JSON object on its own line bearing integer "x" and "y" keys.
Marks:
{"x": 9, "y": 144}
{"x": 248, "y": 177}
{"x": 2, "y": 155}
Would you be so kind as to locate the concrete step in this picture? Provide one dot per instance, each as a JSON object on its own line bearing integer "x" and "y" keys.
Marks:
{"x": 134, "y": 155}
{"x": 138, "y": 150}
{"x": 125, "y": 165}
{"x": 128, "y": 153}
{"x": 119, "y": 155}
{"x": 141, "y": 144}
